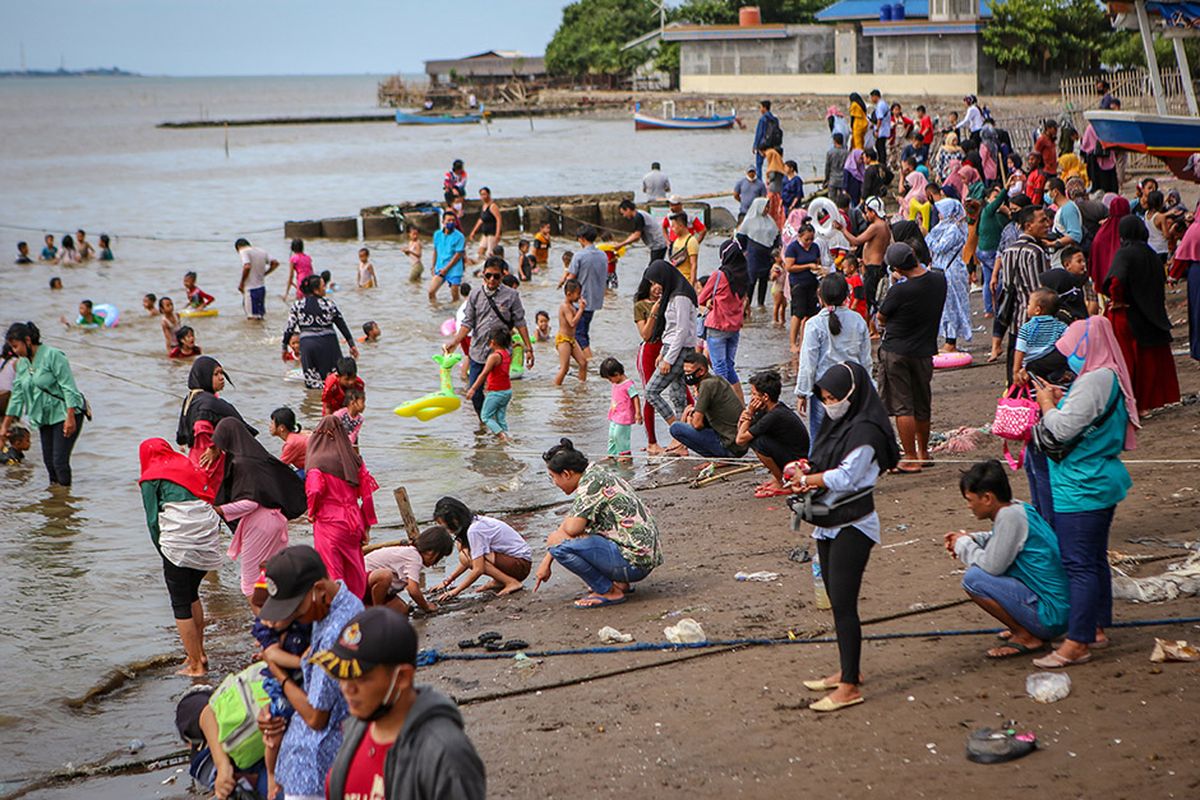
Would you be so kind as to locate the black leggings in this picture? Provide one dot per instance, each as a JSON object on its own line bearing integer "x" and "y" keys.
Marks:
{"x": 759, "y": 283}
{"x": 843, "y": 561}
{"x": 183, "y": 585}
{"x": 56, "y": 450}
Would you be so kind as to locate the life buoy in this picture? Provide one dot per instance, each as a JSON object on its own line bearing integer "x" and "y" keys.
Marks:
{"x": 952, "y": 360}
{"x": 822, "y": 207}
{"x": 199, "y": 312}
{"x": 440, "y": 402}
{"x": 108, "y": 314}
{"x": 516, "y": 369}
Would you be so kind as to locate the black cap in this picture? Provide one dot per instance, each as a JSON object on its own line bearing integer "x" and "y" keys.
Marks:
{"x": 290, "y": 574}
{"x": 187, "y": 713}
{"x": 378, "y": 635}
{"x": 900, "y": 256}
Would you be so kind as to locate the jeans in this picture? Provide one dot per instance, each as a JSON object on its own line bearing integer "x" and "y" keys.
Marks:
{"x": 56, "y": 450}
{"x": 816, "y": 416}
{"x": 843, "y": 562}
{"x": 583, "y": 330}
{"x": 495, "y": 410}
{"x": 722, "y": 352}
{"x": 987, "y": 262}
{"x": 1037, "y": 469}
{"x": 1010, "y": 594}
{"x": 473, "y": 370}
{"x": 598, "y": 561}
{"x": 703, "y": 442}
{"x": 1083, "y": 542}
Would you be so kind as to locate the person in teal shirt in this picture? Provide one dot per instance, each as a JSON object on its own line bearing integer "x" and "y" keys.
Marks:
{"x": 1083, "y": 432}
{"x": 1014, "y": 571}
{"x": 44, "y": 391}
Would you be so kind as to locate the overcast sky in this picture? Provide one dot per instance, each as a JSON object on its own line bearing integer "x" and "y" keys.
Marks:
{"x": 266, "y": 37}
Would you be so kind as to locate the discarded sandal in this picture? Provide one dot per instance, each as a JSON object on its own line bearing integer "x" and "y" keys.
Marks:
{"x": 490, "y": 636}
{"x": 826, "y": 704}
{"x": 506, "y": 647}
{"x": 986, "y": 746}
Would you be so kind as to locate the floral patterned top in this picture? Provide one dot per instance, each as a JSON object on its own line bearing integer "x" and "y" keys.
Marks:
{"x": 613, "y": 511}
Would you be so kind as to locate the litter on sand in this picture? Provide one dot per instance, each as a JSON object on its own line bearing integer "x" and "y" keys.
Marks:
{"x": 610, "y": 635}
{"x": 1048, "y": 687}
{"x": 987, "y": 746}
{"x": 762, "y": 577}
{"x": 1180, "y": 579}
{"x": 1178, "y": 650}
{"x": 686, "y": 631}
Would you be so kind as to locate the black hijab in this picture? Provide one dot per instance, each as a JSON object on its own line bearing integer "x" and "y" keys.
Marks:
{"x": 202, "y": 402}
{"x": 909, "y": 232}
{"x": 251, "y": 473}
{"x": 1140, "y": 273}
{"x": 673, "y": 284}
{"x": 865, "y": 423}
{"x": 733, "y": 265}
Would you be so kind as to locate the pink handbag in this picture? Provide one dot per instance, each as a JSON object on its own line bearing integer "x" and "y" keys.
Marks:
{"x": 1016, "y": 415}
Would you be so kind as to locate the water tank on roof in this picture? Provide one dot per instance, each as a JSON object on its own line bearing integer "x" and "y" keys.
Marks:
{"x": 885, "y": 13}
{"x": 898, "y": 11}
{"x": 749, "y": 16}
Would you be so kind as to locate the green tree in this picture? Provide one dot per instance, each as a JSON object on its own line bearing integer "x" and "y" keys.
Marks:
{"x": 1045, "y": 34}
{"x": 725, "y": 12}
{"x": 590, "y": 36}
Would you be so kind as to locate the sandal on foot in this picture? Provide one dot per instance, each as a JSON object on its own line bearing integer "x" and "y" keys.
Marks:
{"x": 1053, "y": 660}
{"x": 598, "y": 602}
{"x": 1017, "y": 648}
{"x": 819, "y": 685}
{"x": 826, "y": 704}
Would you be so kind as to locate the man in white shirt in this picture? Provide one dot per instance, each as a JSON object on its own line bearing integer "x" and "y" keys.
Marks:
{"x": 883, "y": 124}
{"x": 257, "y": 264}
{"x": 655, "y": 184}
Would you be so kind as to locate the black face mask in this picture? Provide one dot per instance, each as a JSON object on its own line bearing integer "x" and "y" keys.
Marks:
{"x": 692, "y": 378}
{"x": 388, "y": 699}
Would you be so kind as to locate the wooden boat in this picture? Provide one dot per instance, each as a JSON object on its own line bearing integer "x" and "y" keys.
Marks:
{"x": 668, "y": 121}
{"x": 426, "y": 118}
{"x": 1173, "y": 138}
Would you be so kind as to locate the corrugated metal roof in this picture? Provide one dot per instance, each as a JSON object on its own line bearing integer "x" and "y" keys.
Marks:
{"x": 869, "y": 9}
{"x": 919, "y": 28}
{"x": 694, "y": 33}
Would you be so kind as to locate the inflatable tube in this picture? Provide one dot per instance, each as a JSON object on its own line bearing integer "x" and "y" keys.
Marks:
{"x": 440, "y": 402}
{"x": 610, "y": 248}
{"x": 516, "y": 369}
{"x": 449, "y": 327}
{"x": 108, "y": 313}
{"x": 822, "y": 206}
{"x": 199, "y": 312}
{"x": 294, "y": 375}
{"x": 952, "y": 360}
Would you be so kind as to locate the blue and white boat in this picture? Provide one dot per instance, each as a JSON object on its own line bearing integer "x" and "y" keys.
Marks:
{"x": 668, "y": 121}
{"x": 428, "y": 118}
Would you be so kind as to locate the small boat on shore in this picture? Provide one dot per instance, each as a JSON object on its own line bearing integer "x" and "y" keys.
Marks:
{"x": 426, "y": 118}
{"x": 668, "y": 121}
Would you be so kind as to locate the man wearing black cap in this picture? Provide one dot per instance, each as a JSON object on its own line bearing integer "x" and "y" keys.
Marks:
{"x": 299, "y": 589}
{"x": 910, "y": 314}
{"x": 401, "y": 742}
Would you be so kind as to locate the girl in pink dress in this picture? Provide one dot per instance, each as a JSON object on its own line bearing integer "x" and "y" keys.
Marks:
{"x": 340, "y": 504}
{"x": 301, "y": 268}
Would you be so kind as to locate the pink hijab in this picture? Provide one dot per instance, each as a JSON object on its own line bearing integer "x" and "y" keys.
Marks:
{"x": 1189, "y": 246}
{"x": 953, "y": 178}
{"x": 1102, "y": 351}
{"x": 791, "y": 228}
{"x": 916, "y": 190}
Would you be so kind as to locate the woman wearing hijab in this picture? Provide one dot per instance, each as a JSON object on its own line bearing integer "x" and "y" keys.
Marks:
{"x": 758, "y": 236}
{"x": 646, "y": 310}
{"x": 257, "y": 497}
{"x": 724, "y": 295}
{"x": 853, "y": 174}
{"x": 856, "y": 444}
{"x": 340, "y": 502}
{"x": 1137, "y": 285}
{"x": 989, "y": 154}
{"x": 1083, "y": 432}
{"x": 946, "y": 242}
{"x": 314, "y": 317}
{"x": 676, "y": 329}
{"x": 837, "y": 123}
{"x": 1187, "y": 265}
{"x": 858, "y": 122}
{"x": 1101, "y": 162}
{"x": 947, "y": 154}
{"x": 185, "y": 530}
{"x": 972, "y": 183}
{"x": 909, "y": 233}
{"x": 1107, "y": 240}
{"x": 202, "y": 410}
{"x": 914, "y": 204}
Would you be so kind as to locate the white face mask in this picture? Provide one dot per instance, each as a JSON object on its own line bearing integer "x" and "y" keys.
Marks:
{"x": 837, "y": 410}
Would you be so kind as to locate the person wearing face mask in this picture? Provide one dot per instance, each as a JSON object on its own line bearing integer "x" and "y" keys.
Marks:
{"x": 856, "y": 444}
{"x": 1068, "y": 221}
{"x": 1083, "y": 431}
{"x": 709, "y": 427}
{"x": 449, "y": 257}
{"x": 299, "y": 589}
{"x": 401, "y": 741}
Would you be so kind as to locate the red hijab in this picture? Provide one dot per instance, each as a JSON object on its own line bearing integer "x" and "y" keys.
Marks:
{"x": 162, "y": 462}
{"x": 1106, "y": 242}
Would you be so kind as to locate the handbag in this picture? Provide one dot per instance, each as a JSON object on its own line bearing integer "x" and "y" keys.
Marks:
{"x": 808, "y": 507}
{"x": 1017, "y": 413}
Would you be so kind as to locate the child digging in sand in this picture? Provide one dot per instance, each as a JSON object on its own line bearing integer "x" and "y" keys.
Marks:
{"x": 624, "y": 411}
{"x": 486, "y": 546}
{"x": 569, "y": 314}
{"x": 392, "y": 570}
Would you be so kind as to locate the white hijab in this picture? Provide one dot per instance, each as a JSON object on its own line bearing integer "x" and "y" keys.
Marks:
{"x": 757, "y": 226}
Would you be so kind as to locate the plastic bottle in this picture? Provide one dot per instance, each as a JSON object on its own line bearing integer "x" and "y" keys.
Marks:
{"x": 819, "y": 592}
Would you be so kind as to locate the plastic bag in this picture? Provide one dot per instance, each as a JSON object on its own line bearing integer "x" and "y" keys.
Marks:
{"x": 1048, "y": 687}
{"x": 686, "y": 631}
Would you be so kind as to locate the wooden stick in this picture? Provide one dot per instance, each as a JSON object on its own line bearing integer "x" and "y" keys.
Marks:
{"x": 723, "y": 475}
{"x": 406, "y": 513}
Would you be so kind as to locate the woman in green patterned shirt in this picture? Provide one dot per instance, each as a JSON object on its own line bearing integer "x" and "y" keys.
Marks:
{"x": 608, "y": 538}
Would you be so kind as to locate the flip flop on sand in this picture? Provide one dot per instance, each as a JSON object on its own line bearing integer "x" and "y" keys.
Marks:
{"x": 1015, "y": 648}
{"x": 1053, "y": 660}
{"x": 900, "y": 469}
{"x": 596, "y": 601}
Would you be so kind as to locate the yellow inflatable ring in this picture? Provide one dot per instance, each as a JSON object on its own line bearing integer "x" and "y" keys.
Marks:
{"x": 430, "y": 406}
{"x": 199, "y": 312}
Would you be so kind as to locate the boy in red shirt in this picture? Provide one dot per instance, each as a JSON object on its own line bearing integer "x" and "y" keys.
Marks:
{"x": 343, "y": 377}
{"x": 858, "y": 295}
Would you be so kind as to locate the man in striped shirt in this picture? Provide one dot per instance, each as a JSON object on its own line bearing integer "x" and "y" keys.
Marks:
{"x": 1020, "y": 268}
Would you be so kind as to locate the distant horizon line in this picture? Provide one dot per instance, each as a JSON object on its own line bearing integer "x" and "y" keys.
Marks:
{"x": 17, "y": 72}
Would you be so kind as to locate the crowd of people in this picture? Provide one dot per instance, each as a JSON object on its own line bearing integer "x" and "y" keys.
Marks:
{"x": 876, "y": 277}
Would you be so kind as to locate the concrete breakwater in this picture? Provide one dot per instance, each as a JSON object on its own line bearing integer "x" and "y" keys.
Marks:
{"x": 565, "y": 213}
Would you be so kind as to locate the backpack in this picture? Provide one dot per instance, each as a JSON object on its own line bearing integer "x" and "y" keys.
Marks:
{"x": 772, "y": 133}
{"x": 235, "y": 704}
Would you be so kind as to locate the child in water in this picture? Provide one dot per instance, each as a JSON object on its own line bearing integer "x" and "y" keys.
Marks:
{"x": 106, "y": 253}
{"x": 371, "y": 332}
{"x": 566, "y": 259}
{"x": 49, "y": 252}
{"x": 542, "y": 326}
{"x": 366, "y": 270}
{"x": 197, "y": 298}
{"x": 392, "y": 570}
{"x": 13, "y": 450}
{"x": 779, "y": 295}
{"x": 87, "y": 317}
{"x": 569, "y": 314}
{"x": 293, "y": 351}
{"x": 150, "y": 304}
{"x": 185, "y": 346}
{"x": 351, "y": 414}
{"x": 413, "y": 250}
{"x": 528, "y": 264}
{"x": 343, "y": 378}
{"x": 327, "y": 277}
{"x": 23, "y": 253}
{"x": 295, "y": 441}
{"x": 55, "y": 284}
{"x": 495, "y": 379}
{"x": 624, "y": 411}
{"x": 541, "y": 245}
